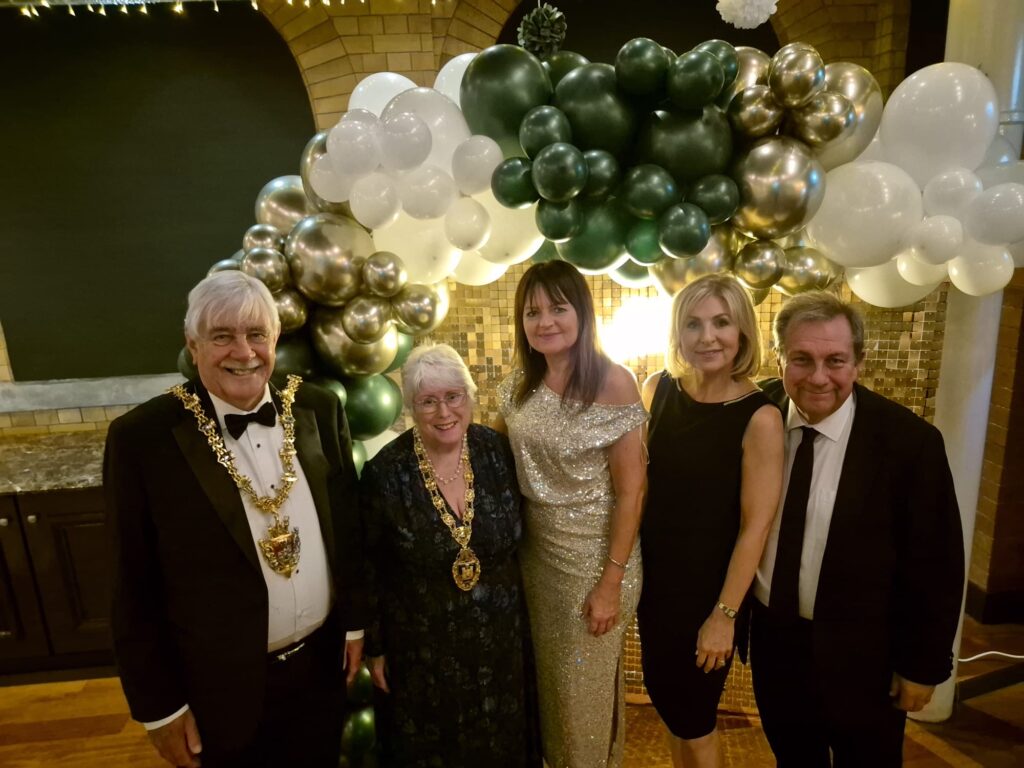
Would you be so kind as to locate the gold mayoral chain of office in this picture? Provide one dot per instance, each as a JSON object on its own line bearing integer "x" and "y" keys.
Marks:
{"x": 466, "y": 568}
{"x": 280, "y": 547}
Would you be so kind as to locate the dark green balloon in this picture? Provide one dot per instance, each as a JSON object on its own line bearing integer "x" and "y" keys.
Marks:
{"x": 294, "y": 355}
{"x": 601, "y": 243}
{"x": 561, "y": 63}
{"x": 359, "y": 734}
{"x": 648, "y": 190}
{"x": 360, "y": 690}
{"x": 186, "y": 366}
{"x": 543, "y": 126}
{"x": 358, "y": 456}
{"x": 718, "y": 195}
{"x": 405, "y": 343}
{"x": 546, "y": 252}
{"x": 683, "y": 230}
{"x": 641, "y": 66}
{"x": 670, "y": 53}
{"x": 334, "y": 386}
{"x": 559, "y": 172}
{"x": 558, "y": 221}
{"x": 502, "y": 83}
{"x": 726, "y": 56}
{"x": 695, "y": 79}
{"x": 642, "y": 243}
{"x": 688, "y": 145}
{"x": 512, "y": 183}
{"x": 600, "y": 116}
{"x": 603, "y": 174}
{"x": 632, "y": 275}
{"x": 374, "y": 403}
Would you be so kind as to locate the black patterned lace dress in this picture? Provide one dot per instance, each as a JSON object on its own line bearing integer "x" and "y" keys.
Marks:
{"x": 455, "y": 659}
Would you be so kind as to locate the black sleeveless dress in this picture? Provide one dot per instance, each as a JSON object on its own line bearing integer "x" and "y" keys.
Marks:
{"x": 689, "y": 529}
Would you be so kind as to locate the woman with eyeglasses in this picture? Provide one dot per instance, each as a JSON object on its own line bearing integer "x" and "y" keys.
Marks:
{"x": 446, "y": 641}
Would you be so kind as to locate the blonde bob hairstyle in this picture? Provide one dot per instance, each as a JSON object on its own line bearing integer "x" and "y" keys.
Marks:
{"x": 435, "y": 365}
{"x": 741, "y": 310}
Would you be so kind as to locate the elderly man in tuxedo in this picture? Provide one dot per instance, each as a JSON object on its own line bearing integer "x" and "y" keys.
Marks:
{"x": 237, "y": 599}
{"x": 859, "y": 589}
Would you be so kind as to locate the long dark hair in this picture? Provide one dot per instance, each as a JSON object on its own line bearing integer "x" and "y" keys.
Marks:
{"x": 562, "y": 284}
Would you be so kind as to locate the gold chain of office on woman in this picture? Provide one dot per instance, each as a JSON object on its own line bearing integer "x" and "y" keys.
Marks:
{"x": 466, "y": 568}
{"x": 281, "y": 545}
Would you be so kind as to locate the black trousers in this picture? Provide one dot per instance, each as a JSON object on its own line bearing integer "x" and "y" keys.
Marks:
{"x": 805, "y": 727}
{"x": 303, "y": 711}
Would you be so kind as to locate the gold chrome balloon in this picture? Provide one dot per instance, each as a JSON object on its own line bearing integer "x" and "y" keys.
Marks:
{"x": 282, "y": 203}
{"x": 806, "y": 269}
{"x": 316, "y": 147}
{"x": 419, "y": 308}
{"x": 752, "y": 69}
{"x": 326, "y": 254}
{"x": 796, "y": 74}
{"x": 759, "y": 264}
{"x": 344, "y": 355}
{"x": 384, "y": 274}
{"x": 672, "y": 275}
{"x": 754, "y": 112}
{"x": 860, "y": 87}
{"x": 291, "y": 309}
{"x": 224, "y": 265}
{"x": 268, "y": 266}
{"x": 826, "y": 117}
{"x": 263, "y": 236}
{"x": 366, "y": 318}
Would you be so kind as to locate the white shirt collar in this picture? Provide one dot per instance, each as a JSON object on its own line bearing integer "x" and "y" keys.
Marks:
{"x": 222, "y": 407}
{"x": 831, "y": 426}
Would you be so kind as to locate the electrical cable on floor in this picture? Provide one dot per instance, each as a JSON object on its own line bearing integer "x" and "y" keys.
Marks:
{"x": 991, "y": 653}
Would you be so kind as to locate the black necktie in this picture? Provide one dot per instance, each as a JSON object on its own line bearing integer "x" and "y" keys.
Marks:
{"x": 785, "y": 593}
{"x": 237, "y": 422}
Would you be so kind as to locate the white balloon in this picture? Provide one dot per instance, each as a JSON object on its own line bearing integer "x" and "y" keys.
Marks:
{"x": 374, "y": 444}
{"x": 996, "y": 216}
{"x": 949, "y": 192}
{"x": 473, "y": 269}
{"x": 449, "y": 79}
{"x": 374, "y": 201}
{"x": 514, "y": 234}
{"x": 373, "y": 92}
{"x": 467, "y": 225}
{"x": 999, "y": 152}
{"x": 873, "y": 153}
{"x": 866, "y": 211}
{"x": 360, "y": 116}
{"x": 352, "y": 147}
{"x": 992, "y": 175}
{"x": 882, "y": 286}
{"x": 443, "y": 117}
{"x": 473, "y": 164}
{"x": 935, "y": 239}
{"x": 328, "y": 183}
{"x": 422, "y": 246}
{"x": 917, "y": 272}
{"x": 942, "y": 116}
{"x": 427, "y": 192}
{"x": 404, "y": 141}
{"x": 981, "y": 269}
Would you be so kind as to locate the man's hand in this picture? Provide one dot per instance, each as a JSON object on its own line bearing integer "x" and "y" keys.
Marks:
{"x": 353, "y": 658}
{"x": 178, "y": 741}
{"x": 909, "y": 696}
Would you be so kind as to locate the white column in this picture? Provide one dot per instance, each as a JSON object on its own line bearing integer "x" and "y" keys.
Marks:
{"x": 988, "y": 34}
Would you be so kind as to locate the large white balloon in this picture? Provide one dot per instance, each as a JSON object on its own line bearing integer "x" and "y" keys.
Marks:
{"x": 514, "y": 234}
{"x": 372, "y": 93}
{"x": 867, "y": 210}
{"x": 935, "y": 239}
{"x": 467, "y": 226}
{"x": 422, "y": 246}
{"x": 473, "y": 269}
{"x": 449, "y": 79}
{"x": 473, "y": 164}
{"x": 918, "y": 272}
{"x": 427, "y": 192}
{"x": 443, "y": 117}
{"x": 882, "y": 286}
{"x": 352, "y": 147}
{"x": 374, "y": 201}
{"x": 942, "y": 116}
{"x": 981, "y": 269}
{"x": 996, "y": 216}
{"x": 404, "y": 141}
{"x": 949, "y": 192}
{"x": 327, "y": 182}
{"x": 992, "y": 175}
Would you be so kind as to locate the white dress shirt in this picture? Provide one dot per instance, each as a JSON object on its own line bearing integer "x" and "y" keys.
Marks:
{"x": 829, "y": 452}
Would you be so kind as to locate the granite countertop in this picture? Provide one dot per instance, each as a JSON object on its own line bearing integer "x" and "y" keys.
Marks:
{"x": 51, "y": 462}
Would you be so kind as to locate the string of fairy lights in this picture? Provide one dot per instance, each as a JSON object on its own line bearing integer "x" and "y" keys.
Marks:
{"x": 31, "y": 9}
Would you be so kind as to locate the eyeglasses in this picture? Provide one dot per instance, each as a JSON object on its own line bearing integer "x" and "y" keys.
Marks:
{"x": 431, "y": 404}
{"x": 226, "y": 338}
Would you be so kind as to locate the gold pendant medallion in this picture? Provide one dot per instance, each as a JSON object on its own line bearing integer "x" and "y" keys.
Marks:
{"x": 281, "y": 548}
{"x": 466, "y": 569}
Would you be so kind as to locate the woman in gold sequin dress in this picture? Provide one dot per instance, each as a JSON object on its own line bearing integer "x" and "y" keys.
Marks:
{"x": 575, "y": 422}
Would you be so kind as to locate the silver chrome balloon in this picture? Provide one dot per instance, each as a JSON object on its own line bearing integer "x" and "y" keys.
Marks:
{"x": 752, "y": 69}
{"x": 223, "y": 266}
{"x": 268, "y": 266}
{"x": 860, "y": 87}
{"x": 781, "y": 187}
{"x": 366, "y": 318}
{"x": 796, "y": 74}
{"x": 419, "y": 308}
{"x": 670, "y": 275}
{"x": 384, "y": 274}
{"x": 759, "y": 264}
{"x": 315, "y": 148}
{"x": 344, "y": 355}
{"x": 754, "y": 112}
{"x": 263, "y": 236}
{"x": 806, "y": 269}
{"x": 826, "y": 117}
{"x": 326, "y": 255}
{"x": 291, "y": 309}
{"x": 282, "y": 203}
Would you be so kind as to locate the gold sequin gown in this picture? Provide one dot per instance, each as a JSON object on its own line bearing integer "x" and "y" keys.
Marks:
{"x": 562, "y": 465}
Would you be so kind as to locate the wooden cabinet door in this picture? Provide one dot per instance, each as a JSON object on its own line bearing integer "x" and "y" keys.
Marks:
{"x": 22, "y": 633}
{"x": 67, "y": 539}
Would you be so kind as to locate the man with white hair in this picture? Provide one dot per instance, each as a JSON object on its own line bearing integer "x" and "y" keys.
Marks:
{"x": 237, "y": 598}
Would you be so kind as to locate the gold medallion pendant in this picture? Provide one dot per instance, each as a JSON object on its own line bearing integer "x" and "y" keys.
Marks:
{"x": 466, "y": 569}
{"x": 281, "y": 548}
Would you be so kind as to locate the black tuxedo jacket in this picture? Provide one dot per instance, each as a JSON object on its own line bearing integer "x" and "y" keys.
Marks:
{"x": 190, "y": 601}
{"x": 892, "y": 575}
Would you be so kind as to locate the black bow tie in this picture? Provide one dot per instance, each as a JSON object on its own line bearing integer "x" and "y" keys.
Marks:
{"x": 237, "y": 422}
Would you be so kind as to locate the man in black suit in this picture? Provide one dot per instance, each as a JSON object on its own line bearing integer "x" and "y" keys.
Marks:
{"x": 859, "y": 589}
{"x": 237, "y": 600}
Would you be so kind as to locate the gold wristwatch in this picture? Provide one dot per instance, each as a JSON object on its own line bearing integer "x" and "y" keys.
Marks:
{"x": 730, "y": 612}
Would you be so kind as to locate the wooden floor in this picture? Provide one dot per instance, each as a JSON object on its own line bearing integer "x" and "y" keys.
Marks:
{"x": 85, "y": 723}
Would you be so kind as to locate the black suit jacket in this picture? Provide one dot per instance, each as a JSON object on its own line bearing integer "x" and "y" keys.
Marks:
{"x": 190, "y": 602}
{"x": 892, "y": 575}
